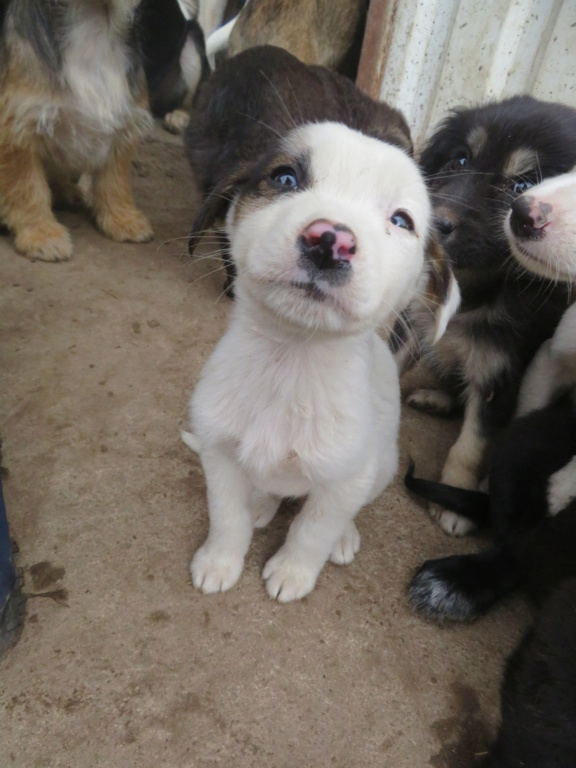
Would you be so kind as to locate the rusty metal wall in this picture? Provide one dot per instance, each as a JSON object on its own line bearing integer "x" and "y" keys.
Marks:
{"x": 426, "y": 56}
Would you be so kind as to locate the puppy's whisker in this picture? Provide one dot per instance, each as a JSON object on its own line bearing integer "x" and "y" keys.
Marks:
{"x": 277, "y": 92}
{"x": 262, "y": 123}
{"x": 296, "y": 100}
{"x": 207, "y": 274}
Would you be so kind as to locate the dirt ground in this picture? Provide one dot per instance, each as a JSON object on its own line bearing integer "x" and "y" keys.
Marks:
{"x": 121, "y": 662}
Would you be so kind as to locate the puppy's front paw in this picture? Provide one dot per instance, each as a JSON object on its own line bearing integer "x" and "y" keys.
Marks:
{"x": 176, "y": 121}
{"x": 435, "y": 401}
{"x": 288, "y": 576}
{"x": 347, "y": 546}
{"x": 126, "y": 226}
{"x": 48, "y": 241}
{"x": 215, "y": 569}
{"x": 450, "y": 522}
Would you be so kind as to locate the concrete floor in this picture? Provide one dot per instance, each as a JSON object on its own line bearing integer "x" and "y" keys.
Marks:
{"x": 121, "y": 662}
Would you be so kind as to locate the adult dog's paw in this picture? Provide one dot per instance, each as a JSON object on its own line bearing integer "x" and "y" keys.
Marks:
{"x": 289, "y": 576}
{"x": 347, "y": 545}
{"x": 435, "y": 401}
{"x": 126, "y": 226}
{"x": 215, "y": 569}
{"x": 48, "y": 241}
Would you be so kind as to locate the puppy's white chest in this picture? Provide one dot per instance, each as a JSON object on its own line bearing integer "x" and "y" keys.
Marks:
{"x": 290, "y": 423}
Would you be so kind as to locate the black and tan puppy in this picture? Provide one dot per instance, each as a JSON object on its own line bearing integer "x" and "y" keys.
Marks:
{"x": 73, "y": 101}
{"x": 478, "y": 162}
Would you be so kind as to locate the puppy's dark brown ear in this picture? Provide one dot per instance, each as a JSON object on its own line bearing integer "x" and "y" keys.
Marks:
{"x": 214, "y": 207}
{"x": 440, "y": 293}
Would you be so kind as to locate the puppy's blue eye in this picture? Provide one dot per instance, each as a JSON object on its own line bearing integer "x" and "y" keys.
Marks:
{"x": 403, "y": 220}
{"x": 457, "y": 163}
{"x": 285, "y": 177}
{"x": 521, "y": 186}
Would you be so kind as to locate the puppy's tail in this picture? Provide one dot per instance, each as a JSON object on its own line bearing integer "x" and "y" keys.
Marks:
{"x": 190, "y": 440}
{"x": 471, "y": 504}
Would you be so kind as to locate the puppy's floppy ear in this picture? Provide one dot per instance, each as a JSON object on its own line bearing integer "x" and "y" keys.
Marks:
{"x": 215, "y": 206}
{"x": 439, "y": 290}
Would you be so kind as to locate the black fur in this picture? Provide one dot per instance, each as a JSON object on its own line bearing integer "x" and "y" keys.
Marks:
{"x": 256, "y": 97}
{"x": 538, "y": 552}
{"x": 163, "y": 32}
{"x": 528, "y": 452}
{"x": 538, "y": 700}
{"x": 471, "y": 504}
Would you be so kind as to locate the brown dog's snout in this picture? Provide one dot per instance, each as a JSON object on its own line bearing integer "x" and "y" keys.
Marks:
{"x": 529, "y": 218}
{"x": 328, "y": 245}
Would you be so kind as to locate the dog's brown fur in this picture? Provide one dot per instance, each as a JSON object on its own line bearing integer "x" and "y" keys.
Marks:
{"x": 315, "y": 31}
{"x": 33, "y": 166}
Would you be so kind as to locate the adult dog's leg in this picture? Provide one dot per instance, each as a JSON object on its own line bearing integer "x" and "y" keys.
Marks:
{"x": 218, "y": 563}
{"x": 26, "y": 206}
{"x": 116, "y": 213}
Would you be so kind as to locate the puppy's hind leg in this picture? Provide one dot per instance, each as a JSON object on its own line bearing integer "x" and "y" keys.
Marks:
{"x": 114, "y": 207}
{"x": 26, "y": 206}
{"x": 264, "y": 507}
{"x": 218, "y": 563}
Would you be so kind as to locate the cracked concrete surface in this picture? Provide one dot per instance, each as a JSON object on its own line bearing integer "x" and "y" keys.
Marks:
{"x": 121, "y": 662}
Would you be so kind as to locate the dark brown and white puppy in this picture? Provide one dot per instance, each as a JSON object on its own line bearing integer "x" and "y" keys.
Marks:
{"x": 261, "y": 94}
{"x": 72, "y": 101}
{"x": 478, "y": 161}
{"x": 329, "y": 232}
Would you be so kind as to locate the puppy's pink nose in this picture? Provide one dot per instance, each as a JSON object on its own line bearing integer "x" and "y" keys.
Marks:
{"x": 328, "y": 244}
{"x": 338, "y": 237}
{"x": 529, "y": 217}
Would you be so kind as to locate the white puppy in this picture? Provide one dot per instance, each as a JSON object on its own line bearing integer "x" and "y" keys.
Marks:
{"x": 541, "y": 229}
{"x": 300, "y": 397}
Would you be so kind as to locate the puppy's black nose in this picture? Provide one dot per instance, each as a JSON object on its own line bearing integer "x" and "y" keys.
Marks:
{"x": 528, "y": 218}
{"x": 328, "y": 245}
{"x": 445, "y": 224}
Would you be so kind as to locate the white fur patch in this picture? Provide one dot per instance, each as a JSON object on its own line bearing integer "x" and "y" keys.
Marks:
{"x": 552, "y": 255}
{"x": 562, "y": 488}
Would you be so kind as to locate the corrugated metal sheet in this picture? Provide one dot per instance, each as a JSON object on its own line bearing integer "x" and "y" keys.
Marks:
{"x": 426, "y": 56}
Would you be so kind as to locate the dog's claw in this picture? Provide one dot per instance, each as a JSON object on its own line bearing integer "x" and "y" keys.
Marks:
{"x": 346, "y": 546}
{"x": 215, "y": 570}
{"x": 288, "y": 577}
